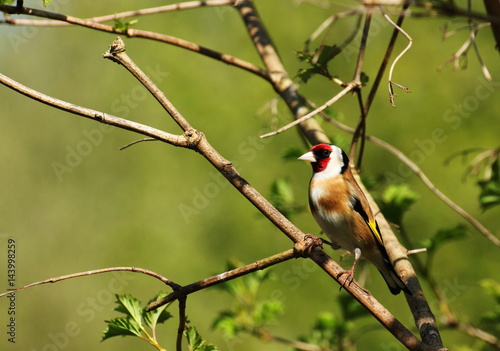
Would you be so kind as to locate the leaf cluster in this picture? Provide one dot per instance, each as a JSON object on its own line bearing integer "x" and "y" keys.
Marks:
{"x": 249, "y": 314}
{"x": 137, "y": 321}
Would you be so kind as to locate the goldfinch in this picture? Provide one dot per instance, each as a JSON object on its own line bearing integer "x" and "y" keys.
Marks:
{"x": 342, "y": 211}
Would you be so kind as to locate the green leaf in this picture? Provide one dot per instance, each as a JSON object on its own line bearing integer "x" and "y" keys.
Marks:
{"x": 282, "y": 192}
{"x": 267, "y": 311}
{"x": 226, "y": 322}
{"x": 248, "y": 314}
{"x": 491, "y": 319}
{"x": 304, "y": 74}
{"x": 364, "y": 79}
{"x": 46, "y": 2}
{"x": 196, "y": 342}
{"x": 490, "y": 194}
{"x": 130, "y": 306}
{"x": 492, "y": 287}
{"x": 327, "y": 331}
{"x": 283, "y": 198}
{"x": 159, "y": 315}
{"x": 6, "y": 2}
{"x": 444, "y": 236}
{"x": 327, "y": 53}
{"x": 123, "y": 25}
{"x": 303, "y": 55}
{"x": 396, "y": 200}
{"x": 121, "y": 327}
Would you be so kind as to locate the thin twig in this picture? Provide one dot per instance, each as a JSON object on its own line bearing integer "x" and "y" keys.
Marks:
{"x": 327, "y": 23}
{"x": 361, "y": 128}
{"x": 93, "y": 272}
{"x": 182, "y": 322}
{"x": 224, "y": 277}
{"x": 121, "y": 15}
{"x": 472, "y": 33}
{"x": 462, "y": 51}
{"x": 416, "y": 251}
{"x": 117, "y": 54}
{"x": 479, "y": 334}
{"x": 350, "y": 86}
{"x": 136, "y": 142}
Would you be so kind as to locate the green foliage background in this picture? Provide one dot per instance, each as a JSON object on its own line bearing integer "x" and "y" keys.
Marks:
{"x": 123, "y": 208}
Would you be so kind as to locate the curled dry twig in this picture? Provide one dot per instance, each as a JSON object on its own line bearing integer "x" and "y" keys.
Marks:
{"x": 391, "y": 69}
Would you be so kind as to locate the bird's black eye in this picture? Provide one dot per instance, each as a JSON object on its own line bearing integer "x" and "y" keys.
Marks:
{"x": 324, "y": 153}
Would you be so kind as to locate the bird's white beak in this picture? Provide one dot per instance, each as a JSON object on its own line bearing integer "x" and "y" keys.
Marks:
{"x": 308, "y": 156}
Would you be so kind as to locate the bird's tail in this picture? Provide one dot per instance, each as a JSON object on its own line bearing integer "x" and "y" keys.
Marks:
{"x": 393, "y": 281}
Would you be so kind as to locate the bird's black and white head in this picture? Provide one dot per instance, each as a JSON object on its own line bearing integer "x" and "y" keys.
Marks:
{"x": 327, "y": 160}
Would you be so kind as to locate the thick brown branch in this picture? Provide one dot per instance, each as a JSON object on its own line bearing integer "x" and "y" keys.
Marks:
{"x": 493, "y": 10}
{"x": 279, "y": 78}
{"x": 297, "y": 105}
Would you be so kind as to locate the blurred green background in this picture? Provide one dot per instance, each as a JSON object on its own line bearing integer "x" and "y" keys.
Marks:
{"x": 127, "y": 208}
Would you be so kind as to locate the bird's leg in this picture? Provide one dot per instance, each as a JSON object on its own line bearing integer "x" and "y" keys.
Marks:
{"x": 350, "y": 272}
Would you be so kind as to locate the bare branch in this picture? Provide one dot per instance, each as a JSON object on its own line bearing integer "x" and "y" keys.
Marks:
{"x": 224, "y": 277}
{"x": 121, "y": 15}
{"x": 136, "y": 142}
{"x": 93, "y": 272}
{"x": 117, "y": 54}
{"x": 350, "y": 86}
{"x": 185, "y": 140}
{"x": 479, "y": 334}
{"x": 131, "y": 33}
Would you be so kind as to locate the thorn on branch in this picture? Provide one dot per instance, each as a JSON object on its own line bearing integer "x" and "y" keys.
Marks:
{"x": 416, "y": 251}
{"x": 136, "y": 142}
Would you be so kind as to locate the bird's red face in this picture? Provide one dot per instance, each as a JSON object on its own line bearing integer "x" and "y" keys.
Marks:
{"x": 326, "y": 157}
